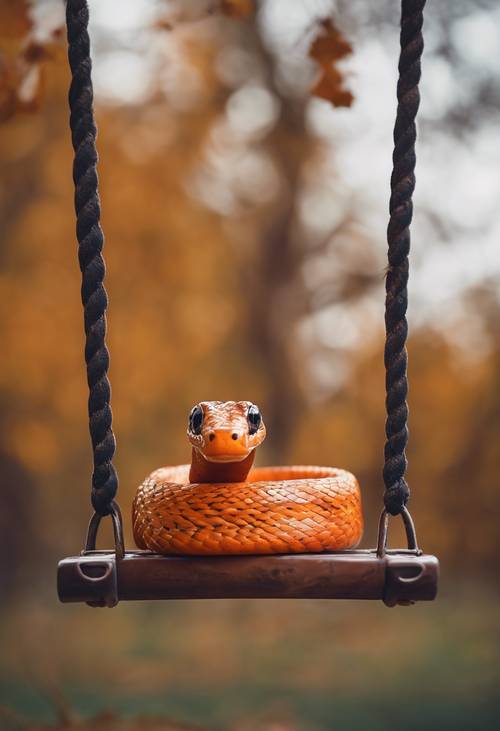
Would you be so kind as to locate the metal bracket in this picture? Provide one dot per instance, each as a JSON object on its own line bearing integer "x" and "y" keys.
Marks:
{"x": 97, "y": 572}
{"x": 410, "y": 578}
{"x": 411, "y": 536}
{"x": 405, "y": 577}
{"x": 91, "y": 578}
{"x": 93, "y": 528}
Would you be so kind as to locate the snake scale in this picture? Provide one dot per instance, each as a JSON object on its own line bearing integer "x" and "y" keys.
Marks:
{"x": 220, "y": 505}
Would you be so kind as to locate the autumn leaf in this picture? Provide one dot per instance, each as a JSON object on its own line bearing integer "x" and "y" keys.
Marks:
{"x": 237, "y": 8}
{"x": 327, "y": 49}
{"x": 21, "y": 81}
{"x": 21, "y": 64}
{"x": 230, "y": 8}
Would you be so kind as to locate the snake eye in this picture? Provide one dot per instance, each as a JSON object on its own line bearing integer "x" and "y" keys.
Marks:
{"x": 195, "y": 420}
{"x": 254, "y": 419}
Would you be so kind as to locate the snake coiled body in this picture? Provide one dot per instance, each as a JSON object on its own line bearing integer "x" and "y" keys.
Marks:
{"x": 218, "y": 505}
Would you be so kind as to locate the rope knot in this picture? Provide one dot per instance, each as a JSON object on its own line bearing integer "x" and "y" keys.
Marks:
{"x": 396, "y": 496}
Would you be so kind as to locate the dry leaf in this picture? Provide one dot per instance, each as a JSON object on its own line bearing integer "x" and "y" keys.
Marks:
{"x": 238, "y": 8}
{"x": 327, "y": 48}
{"x": 21, "y": 81}
{"x": 182, "y": 15}
{"x": 21, "y": 67}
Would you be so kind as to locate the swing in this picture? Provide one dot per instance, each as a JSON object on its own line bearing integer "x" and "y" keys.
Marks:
{"x": 105, "y": 577}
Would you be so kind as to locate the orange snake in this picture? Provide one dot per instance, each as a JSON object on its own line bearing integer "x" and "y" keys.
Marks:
{"x": 220, "y": 505}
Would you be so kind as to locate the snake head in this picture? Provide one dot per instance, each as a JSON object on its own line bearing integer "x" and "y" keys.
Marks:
{"x": 225, "y": 431}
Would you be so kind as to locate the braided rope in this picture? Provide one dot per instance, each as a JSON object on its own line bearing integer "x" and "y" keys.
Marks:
{"x": 397, "y": 492}
{"x": 90, "y": 240}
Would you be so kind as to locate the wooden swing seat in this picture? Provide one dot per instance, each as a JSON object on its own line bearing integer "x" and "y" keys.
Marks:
{"x": 99, "y": 578}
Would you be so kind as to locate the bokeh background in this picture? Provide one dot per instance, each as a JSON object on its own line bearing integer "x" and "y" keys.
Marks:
{"x": 245, "y": 156}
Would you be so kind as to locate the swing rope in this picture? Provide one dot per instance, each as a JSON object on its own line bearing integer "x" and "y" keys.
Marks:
{"x": 397, "y": 492}
{"x": 90, "y": 243}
